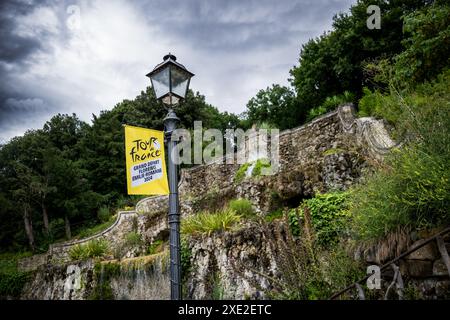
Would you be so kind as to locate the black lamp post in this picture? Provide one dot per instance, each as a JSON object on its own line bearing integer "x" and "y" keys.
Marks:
{"x": 170, "y": 82}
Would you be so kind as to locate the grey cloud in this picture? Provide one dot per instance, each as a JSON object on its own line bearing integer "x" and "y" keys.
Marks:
{"x": 241, "y": 25}
{"x": 21, "y": 107}
{"x": 13, "y": 47}
{"x": 235, "y": 47}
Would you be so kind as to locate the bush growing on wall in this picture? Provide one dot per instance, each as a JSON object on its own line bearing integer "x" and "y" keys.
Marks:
{"x": 92, "y": 249}
{"x": 242, "y": 207}
{"x": 207, "y": 223}
{"x": 329, "y": 216}
{"x": 413, "y": 187}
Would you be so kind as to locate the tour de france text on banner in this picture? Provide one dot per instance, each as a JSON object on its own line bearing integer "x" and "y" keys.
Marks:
{"x": 146, "y": 167}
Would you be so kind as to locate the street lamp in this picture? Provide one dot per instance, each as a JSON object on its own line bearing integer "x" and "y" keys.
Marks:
{"x": 170, "y": 82}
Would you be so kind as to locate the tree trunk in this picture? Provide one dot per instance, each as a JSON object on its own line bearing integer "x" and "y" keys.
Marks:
{"x": 67, "y": 223}
{"x": 28, "y": 227}
{"x": 45, "y": 218}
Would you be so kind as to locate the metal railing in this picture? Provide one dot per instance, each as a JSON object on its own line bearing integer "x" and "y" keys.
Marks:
{"x": 397, "y": 275}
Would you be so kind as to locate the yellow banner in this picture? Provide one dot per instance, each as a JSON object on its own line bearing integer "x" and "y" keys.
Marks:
{"x": 146, "y": 165}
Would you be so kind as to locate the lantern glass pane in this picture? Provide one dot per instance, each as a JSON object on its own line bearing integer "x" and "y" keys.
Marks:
{"x": 161, "y": 83}
{"x": 180, "y": 80}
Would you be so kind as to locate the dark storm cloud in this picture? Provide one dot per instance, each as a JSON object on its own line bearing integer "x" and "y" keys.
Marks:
{"x": 20, "y": 108}
{"x": 242, "y": 25}
{"x": 235, "y": 47}
{"x": 15, "y": 47}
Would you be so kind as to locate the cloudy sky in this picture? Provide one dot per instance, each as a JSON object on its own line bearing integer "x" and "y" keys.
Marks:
{"x": 86, "y": 56}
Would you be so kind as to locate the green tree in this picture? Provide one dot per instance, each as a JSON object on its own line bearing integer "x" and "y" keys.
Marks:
{"x": 20, "y": 163}
{"x": 427, "y": 45}
{"x": 334, "y": 62}
{"x": 275, "y": 106}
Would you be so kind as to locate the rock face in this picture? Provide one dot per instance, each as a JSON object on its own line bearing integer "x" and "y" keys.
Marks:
{"x": 242, "y": 264}
{"x": 143, "y": 278}
{"x": 230, "y": 266}
{"x": 60, "y": 282}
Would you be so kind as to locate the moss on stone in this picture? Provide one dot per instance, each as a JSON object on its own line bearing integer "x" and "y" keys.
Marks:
{"x": 103, "y": 273}
{"x": 240, "y": 173}
{"x": 332, "y": 151}
{"x": 259, "y": 165}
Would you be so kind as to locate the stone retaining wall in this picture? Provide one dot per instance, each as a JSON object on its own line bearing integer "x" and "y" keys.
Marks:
{"x": 59, "y": 253}
{"x": 328, "y": 153}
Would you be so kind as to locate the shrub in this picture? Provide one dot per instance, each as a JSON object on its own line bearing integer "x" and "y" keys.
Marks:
{"x": 78, "y": 252}
{"x": 335, "y": 270}
{"x": 11, "y": 284}
{"x": 207, "y": 223}
{"x": 412, "y": 191}
{"x": 97, "y": 248}
{"x": 103, "y": 214}
{"x": 156, "y": 247}
{"x": 277, "y": 214}
{"x": 295, "y": 217}
{"x": 92, "y": 249}
{"x": 133, "y": 239}
{"x": 329, "y": 216}
{"x": 412, "y": 188}
{"x": 380, "y": 106}
{"x": 12, "y": 280}
{"x": 329, "y": 104}
{"x": 306, "y": 271}
{"x": 242, "y": 207}
{"x": 8, "y": 260}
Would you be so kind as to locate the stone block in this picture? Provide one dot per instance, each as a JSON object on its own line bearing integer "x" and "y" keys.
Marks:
{"x": 370, "y": 256}
{"x": 432, "y": 289}
{"x": 439, "y": 268}
{"x": 32, "y": 263}
{"x": 416, "y": 268}
{"x": 427, "y": 252}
